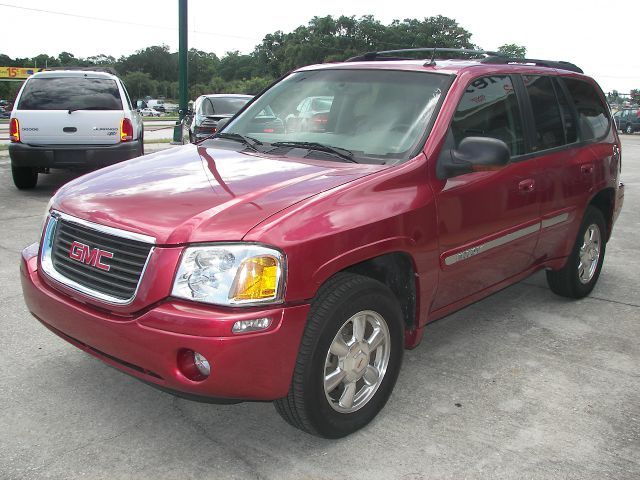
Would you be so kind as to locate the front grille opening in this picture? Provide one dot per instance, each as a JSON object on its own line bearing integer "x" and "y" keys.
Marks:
{"x": 126, "y": 261}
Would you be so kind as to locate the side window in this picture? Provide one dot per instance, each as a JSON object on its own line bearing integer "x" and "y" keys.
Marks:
{"x": 489, "y": 108}
{"x": 126, "y": 94}
{"x": 546, "y": 112}
{"x": 568, "y": 115}
{"x": 592, "y": 113}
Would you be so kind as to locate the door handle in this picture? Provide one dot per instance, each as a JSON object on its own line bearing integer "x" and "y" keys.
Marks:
{"x": 586, "y": 169}
{"x": 527, "y": 186}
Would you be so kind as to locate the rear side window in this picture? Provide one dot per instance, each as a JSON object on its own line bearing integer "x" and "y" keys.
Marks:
{"x": 546, "y": 112}
{"x": 592, "y": 113}
{"x": 489, "y": 108}
{"x": 70, "y": 93}
{"x": 222, "y": 106}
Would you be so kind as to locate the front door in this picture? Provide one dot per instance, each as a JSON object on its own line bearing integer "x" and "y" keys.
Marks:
{"x": 488, "y": 222}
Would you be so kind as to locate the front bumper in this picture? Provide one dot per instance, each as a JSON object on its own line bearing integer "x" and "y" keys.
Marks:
{"x": 256, "y": 366}
{"x": 79, "y": 157}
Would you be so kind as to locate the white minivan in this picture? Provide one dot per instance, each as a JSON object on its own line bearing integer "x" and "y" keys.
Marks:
{"x": 71, "y": 119}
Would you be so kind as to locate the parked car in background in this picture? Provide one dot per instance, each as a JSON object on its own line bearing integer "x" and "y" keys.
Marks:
{"x": 208, "y": 110}
{"x": 150, "y": 112}
{"x": 71, "y": 119}
{"x": 311, "y": 115}
{"x": 296, "y": 267}
{"x": 628, "y": 120}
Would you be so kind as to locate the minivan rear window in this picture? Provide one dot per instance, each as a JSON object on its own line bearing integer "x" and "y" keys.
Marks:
{"x": 70, "y": 93}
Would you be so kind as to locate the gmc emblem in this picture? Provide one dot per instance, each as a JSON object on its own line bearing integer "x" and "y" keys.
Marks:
{"x": 91, "y": 256}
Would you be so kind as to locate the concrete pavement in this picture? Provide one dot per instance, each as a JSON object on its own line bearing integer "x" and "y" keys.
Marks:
{"x": 521, "y": 385}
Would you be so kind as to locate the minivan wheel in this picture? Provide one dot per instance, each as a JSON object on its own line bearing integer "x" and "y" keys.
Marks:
{"x": 349, "y": 358}
{"x": 629, "y": 129}
{"x": 24, "y": 177}
{"x": 580, "y": 274}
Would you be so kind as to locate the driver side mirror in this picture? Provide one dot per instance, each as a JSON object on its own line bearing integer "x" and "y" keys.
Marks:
{"x": 476, "y": 154}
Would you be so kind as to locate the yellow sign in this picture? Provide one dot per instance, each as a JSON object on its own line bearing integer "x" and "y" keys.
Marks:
{"x": 17, "y": 73}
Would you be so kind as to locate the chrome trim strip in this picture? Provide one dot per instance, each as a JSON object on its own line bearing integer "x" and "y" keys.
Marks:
{"x": 496, "y": 242}
{"x": 116, "y": 232}
{"x": 48, "y": 268}
{"x": 550, "y": 222}
{"x": 509, "y": 237}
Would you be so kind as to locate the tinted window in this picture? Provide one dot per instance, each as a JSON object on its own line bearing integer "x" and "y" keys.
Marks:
{"x": 546, "y": 112}
{"x": 489, "y": 108}
{"x": 70, "y": 93}
{"x": 222, "y": 105}
{"x": 592, "y": 114}
{"x": 568, "y": 116}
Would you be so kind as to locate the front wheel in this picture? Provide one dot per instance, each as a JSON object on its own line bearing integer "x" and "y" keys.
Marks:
{"x": 580, "y": 274}
{"x": 629, "y": 129}
{"x": 349, "y": 358}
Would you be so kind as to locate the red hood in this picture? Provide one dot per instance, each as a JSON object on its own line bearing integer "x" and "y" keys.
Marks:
{"x": 197, "y": 194}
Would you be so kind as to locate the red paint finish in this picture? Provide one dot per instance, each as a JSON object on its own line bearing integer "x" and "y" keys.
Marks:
{"x": 326, "y": 217}
{"x": 252, "y": 367}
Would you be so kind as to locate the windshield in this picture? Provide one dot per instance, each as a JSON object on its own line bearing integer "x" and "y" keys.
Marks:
{"x": 377, "y": 115}
{"x": 70, "y": 93}
{"x": 222, "y": 105}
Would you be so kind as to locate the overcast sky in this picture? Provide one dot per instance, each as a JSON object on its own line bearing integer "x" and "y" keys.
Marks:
{"x": 598, "y": 36}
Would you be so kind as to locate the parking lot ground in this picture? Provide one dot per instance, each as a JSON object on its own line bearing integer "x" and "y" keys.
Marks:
{"x": 522, "y": 385}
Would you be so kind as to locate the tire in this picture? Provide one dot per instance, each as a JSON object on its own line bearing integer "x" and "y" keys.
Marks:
{"x": 24, "y": 178}
{"x": 580, "y": 274}
{"x": 321, "y": 407}
{"x": 629, "y": 129}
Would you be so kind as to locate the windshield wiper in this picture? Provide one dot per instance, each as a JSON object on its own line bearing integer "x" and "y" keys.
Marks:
{"x": 248, "y": 141}
{"x": 337, "y": 151}
{"x": 71, "y": 110}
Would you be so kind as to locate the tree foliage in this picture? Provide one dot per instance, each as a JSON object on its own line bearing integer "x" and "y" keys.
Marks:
{"x": 154, "y": 70}
{"x": 513, "y": 50}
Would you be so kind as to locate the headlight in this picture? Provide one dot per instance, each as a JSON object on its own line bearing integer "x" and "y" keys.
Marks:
{"x": 234, "y": 274}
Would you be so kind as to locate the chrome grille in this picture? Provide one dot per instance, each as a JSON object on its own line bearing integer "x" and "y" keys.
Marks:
{"x": 99, "y": 263}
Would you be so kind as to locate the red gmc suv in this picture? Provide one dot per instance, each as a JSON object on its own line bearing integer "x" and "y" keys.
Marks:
{"x": 295, "y": 266}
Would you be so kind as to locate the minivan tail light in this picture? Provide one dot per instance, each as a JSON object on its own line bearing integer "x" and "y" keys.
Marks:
{"x": 14, "y": 130}
{"x": 126, "y": 130}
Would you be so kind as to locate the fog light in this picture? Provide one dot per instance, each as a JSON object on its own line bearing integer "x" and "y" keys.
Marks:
{"x": 243, "y": 326}
{"x": 202, "y": 364}
{"x": 193, "y": 365}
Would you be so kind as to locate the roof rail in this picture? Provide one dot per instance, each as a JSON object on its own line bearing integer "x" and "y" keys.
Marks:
{"x": 383, "y": 55}
{"x": 491, "y": 58}
{"x": 109, "y": 70}
{"x": 503, "y": 60}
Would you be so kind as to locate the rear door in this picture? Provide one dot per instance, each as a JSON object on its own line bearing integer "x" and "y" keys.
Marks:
{"x": 70, "y": 110}
{"x": 582, "y": 145}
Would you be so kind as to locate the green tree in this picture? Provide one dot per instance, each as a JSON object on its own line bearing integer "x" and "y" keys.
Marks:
{"x": 202, "y": 66}
{"x": 635, "y": 95}
{"x": 512, "y": 50}
{"x": 140, "y": 84}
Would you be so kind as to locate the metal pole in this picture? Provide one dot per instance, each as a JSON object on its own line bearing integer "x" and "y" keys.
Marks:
{"x": 183, "y": 85}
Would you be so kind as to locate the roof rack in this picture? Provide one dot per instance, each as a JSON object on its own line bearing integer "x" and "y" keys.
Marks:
{"x": 109, "y": 70}
{"x": 490, "y": 57}
{"x": 503, "y": 60}
{"x": 383, "y": 55}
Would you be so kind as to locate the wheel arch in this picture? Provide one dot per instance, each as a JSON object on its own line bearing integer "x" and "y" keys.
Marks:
{"x": 395, "y": 269}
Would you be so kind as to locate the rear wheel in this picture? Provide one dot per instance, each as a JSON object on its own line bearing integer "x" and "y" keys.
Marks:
{"x": 629, "y": 129}
{"x": 580, "y": 274}
{"x": 348, "y": 360}
{"x": 24, "y": 177}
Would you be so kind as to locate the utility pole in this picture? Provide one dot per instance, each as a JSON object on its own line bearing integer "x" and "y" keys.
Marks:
{"x": 183, "y": 85}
